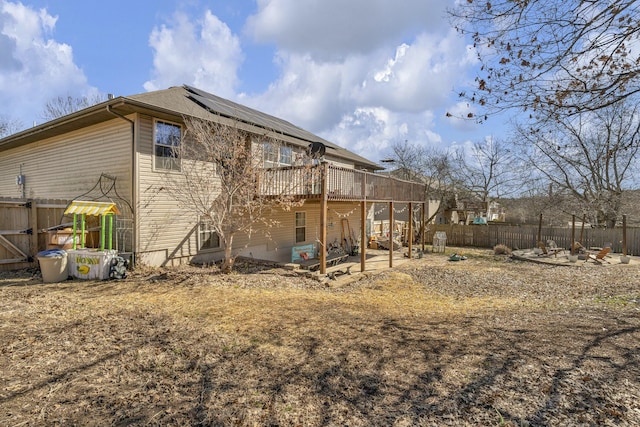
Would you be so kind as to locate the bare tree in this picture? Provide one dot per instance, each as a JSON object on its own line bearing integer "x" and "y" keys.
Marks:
{"x": 223, "y": 182}
{"x": 428, "y": 165}
{"x": 553, "y": 58}
{"x": 589, "y": 159}
{"x": 533, "y": 201}
{"x": 8, "y": 126}
{"x": 61, "y": 106}
{"x": 489, "y": 169}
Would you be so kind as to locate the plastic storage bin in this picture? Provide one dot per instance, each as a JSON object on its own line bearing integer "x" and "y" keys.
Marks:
{"x": 53, "y": 265}
{"x": 439, "y": 241}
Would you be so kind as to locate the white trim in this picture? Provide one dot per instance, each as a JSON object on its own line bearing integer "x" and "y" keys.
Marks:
{"x": 202, "y": 224}
{"x": 154, "y": 166}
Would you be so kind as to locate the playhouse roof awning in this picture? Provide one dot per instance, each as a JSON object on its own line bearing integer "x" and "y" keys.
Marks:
{"x": 92, "y": 208}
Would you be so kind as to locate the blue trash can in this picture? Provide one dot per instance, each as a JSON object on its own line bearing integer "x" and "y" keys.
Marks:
{"x": 53, "y": 265}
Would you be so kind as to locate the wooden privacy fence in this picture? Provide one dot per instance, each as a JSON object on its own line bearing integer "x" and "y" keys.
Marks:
{"x": 23, "y": 229}
{"x": 523, "y": 237}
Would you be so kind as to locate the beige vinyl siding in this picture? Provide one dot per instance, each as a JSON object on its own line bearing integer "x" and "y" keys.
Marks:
{"x": 165, "y": 230}
{"x": 168, "y": 234}
{"x": 67, "y": 166}
{"x": 278, "y": 247}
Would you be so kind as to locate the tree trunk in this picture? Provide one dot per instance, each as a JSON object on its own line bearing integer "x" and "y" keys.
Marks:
{"x": 229, "y": 259}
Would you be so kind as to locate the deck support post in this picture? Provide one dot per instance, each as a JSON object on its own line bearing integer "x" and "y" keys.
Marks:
{"x": 363, "y": 225}
{"x": 391, "y": 228}
{"x": 363, "y": 234}
{"x": 423, "y": 214}
{"x": 323, "y": 219}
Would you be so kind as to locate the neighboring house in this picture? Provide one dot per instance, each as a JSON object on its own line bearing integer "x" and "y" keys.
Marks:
{"x": 121, "y": 140}
{"x": 470, "y": 210}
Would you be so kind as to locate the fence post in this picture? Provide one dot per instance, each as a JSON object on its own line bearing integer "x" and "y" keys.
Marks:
{"x": 624, "y": 235}
{"x": 573, "y": 232}
{"x": 33, "y": 224}
{"x": 539, "y": 232}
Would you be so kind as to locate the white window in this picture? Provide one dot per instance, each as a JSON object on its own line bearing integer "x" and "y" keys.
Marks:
{"x": 208, "y": 239}
{"x": 270, "y": 155}
{"x": 276, "y": 155}
{"x": 286, "y": 156}
{"x": 166, "y": 139}
{"x": 301, "y": 227}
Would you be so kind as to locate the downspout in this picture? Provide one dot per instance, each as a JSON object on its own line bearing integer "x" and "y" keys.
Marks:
{"x": 134, "y": 238}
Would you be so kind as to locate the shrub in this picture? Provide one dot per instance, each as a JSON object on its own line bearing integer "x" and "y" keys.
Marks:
{"x": 501, "y": 250}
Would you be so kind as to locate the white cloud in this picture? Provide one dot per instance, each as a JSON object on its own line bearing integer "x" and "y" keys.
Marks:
{"x": 363, "y": 73}
{"x": 34, "y": 68}
{"x": 372, "y": 131}
{"x": 311, "y": 94}
{"x": 419, "y": 76}
{"x": 333, "y": 29}
{"x": 204, "y": 53}
{"x": 410, "y": 81}
{"x": 386, "y": 74}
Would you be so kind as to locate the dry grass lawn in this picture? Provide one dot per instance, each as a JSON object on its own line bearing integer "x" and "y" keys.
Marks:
{"x": 486, "y": 341}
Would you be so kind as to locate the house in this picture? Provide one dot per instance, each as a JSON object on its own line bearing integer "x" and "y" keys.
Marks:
{"x": 116, "y": 148}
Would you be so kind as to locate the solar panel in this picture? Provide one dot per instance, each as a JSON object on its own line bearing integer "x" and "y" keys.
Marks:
{"x": 240, "y": 112}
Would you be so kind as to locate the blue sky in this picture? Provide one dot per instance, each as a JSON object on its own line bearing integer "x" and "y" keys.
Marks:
{"x": 361, "y": 73}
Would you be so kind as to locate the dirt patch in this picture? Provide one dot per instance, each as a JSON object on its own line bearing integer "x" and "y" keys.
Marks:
{"x": 485, "y": 341}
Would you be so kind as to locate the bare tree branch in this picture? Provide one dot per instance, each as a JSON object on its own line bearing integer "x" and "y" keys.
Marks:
{"x": 61, "y": 106}
{"x": 422, "y": 164}
{"x": 223, "y": 182}
{"x": 590, "y": 159}
{"x": 8, "y": 126}
{"x": 553, "y": 58}
{"x": 489, "y": 170}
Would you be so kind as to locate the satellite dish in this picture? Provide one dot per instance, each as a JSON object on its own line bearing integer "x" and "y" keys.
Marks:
{"x": 316, "y": 150}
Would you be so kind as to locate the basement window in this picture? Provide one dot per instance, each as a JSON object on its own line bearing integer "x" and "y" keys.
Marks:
{"x": 209, "y": 239}
{"x": 301, "y": 227}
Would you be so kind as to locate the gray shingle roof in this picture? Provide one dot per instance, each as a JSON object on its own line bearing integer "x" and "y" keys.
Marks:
{"x": 195, "y": 102}
{"x": 176, "y": 103}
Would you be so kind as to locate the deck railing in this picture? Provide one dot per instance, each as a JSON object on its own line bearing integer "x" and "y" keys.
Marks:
{"x": 300, "y": 181}
{"x": 342, "y": 184}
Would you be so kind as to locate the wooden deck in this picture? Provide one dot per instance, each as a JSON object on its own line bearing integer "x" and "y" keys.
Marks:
{"x": 339, "y": 184}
